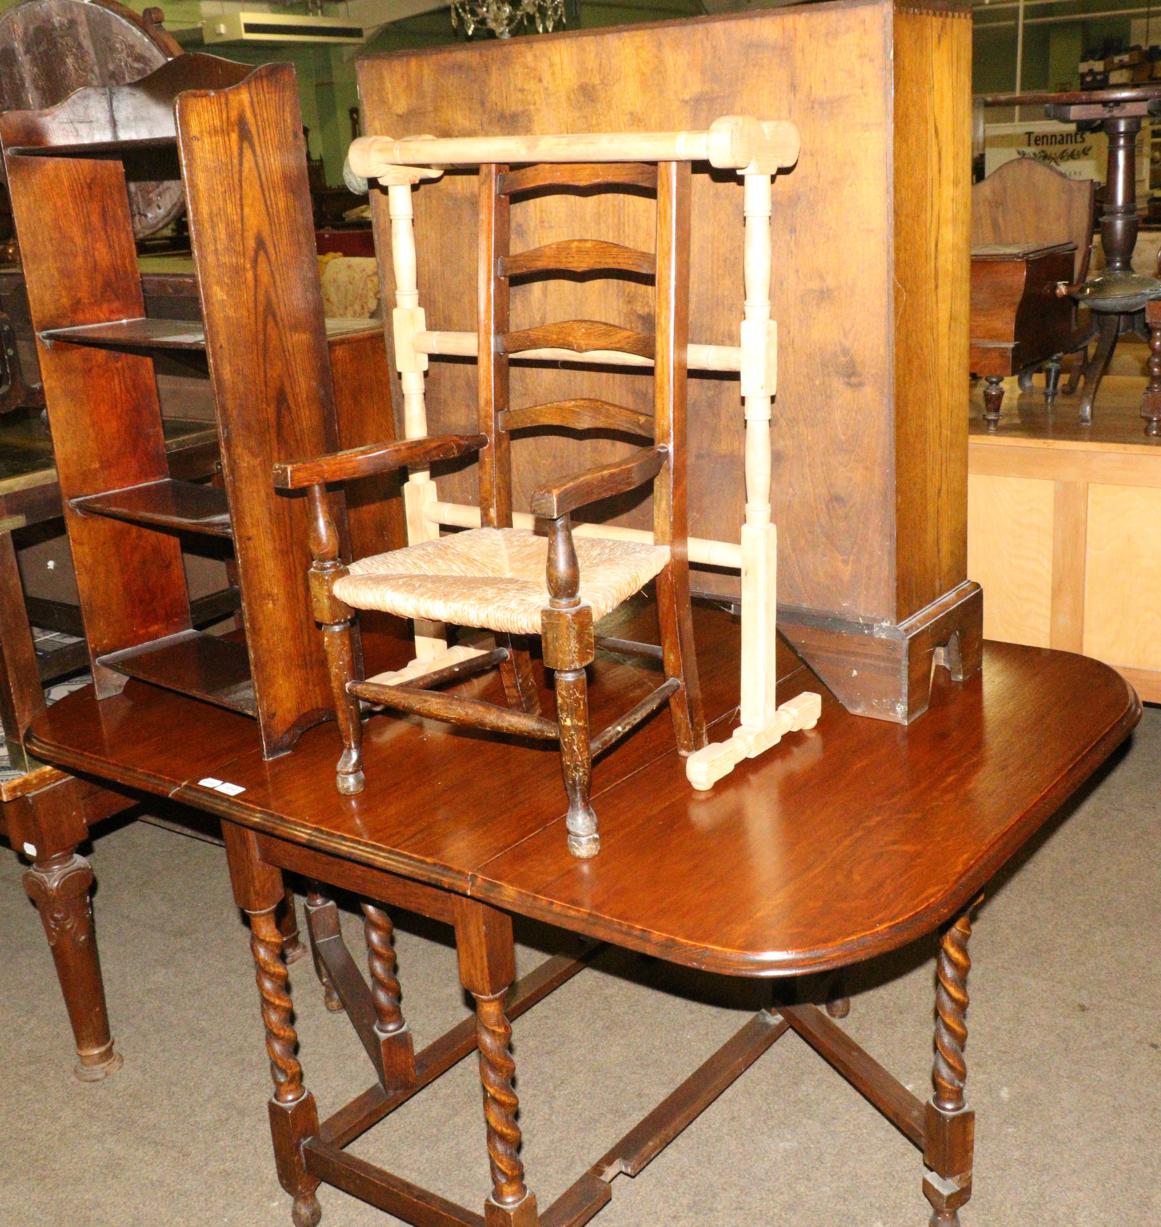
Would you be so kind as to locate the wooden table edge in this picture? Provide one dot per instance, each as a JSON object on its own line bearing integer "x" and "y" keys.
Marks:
{"x": 773, "y": 964}
{"x": 754, "y": 964}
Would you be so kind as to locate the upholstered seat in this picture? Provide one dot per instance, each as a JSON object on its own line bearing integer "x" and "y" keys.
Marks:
{"x": 494, "y": 578}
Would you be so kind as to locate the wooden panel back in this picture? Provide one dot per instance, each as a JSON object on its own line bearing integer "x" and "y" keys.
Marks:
{"x": 250, "y": 225}
{"x": 1025, "y": 201}
{"x": 828, "y": 68}
{"x": 103, "y": 408}
{"x": 374, "y": 504}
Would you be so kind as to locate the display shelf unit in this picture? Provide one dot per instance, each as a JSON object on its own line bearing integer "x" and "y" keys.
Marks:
{"x": 235, "y": 135}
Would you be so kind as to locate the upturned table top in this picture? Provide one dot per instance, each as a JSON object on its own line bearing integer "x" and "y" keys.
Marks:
{"x": 842, "y": 842}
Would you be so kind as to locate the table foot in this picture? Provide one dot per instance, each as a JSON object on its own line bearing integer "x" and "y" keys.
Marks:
{"x": 60, "y": 885}
{"x": 307, "y": 1212}
{"x": 497, "y": 1068}
{"x": 97, "y": 1066}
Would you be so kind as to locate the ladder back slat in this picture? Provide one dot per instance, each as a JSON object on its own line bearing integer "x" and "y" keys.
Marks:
{"x": 578, "y": 256}
{"x": 578, "y": 174}
{"x": 581, "y": 336}
{"x": 581, "y": 414}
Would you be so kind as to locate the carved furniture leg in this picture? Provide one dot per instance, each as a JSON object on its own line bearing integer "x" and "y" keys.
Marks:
{"x": 1076, "y": 371}
{"x": 60, "y": 887}
{"x": 1151, "y": 398}
{"x": 993, "y": 399}
{"x": 1098, "y": 364}
{"x": 395, "y": 1042}
{"x": 258, "y": 890}
{"x": 316, "y": 902}
{"x": 950, "y": 1125}
{"x": 487, "y": 963}
{"x": 1052, "y": 369}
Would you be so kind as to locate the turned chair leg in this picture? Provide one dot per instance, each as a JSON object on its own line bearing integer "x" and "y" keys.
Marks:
{"x": 949, "y": 1131}
{"x": 1052, "y": 369}
{"x": 60, "y": 885}
{"x": 566, "y": 630}
{"x": 993, "y": 399}
{"x": 680, "y": 658}
{"x": 293, "y": 1115}
{"x": 576, "y": 761}
{"x": 487, "y": 961}
{"x": 334, "y": 620}
{"x": 338, "y": 646}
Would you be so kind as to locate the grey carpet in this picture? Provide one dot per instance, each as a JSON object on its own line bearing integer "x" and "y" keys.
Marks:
{"x": 1064, "y": 1058}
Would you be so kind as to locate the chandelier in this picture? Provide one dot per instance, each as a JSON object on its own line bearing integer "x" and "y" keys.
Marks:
{"x": 505, "y": 17}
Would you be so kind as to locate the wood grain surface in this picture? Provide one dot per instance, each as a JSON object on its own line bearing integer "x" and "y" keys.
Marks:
{"x": 850, "y": 840}
{"x": 842, "y": 371}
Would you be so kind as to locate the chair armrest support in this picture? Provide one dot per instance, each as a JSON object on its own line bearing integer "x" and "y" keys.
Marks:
{"x": 373, "y": 458}
{"x": 551, "y": 502}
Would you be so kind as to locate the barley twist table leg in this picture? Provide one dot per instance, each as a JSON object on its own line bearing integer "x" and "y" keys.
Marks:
{"x": 396, "y": 1046}
{"x": 494, "y": 1034}
{"x": 385, "y": 991}
{"x": 950, "y": 1126}
{"x": 293, "y": 1115}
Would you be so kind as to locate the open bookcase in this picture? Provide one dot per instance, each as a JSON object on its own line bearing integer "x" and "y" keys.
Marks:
{"x": 234, "y": 135}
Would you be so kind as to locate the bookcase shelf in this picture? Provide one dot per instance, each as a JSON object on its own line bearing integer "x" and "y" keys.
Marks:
{"x": 265, "y": 345}
{"x": 208, "y": 667}
{"x": 179, "y": 506}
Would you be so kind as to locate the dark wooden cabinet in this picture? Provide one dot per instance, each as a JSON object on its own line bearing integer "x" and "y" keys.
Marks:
{"x": 870, "y": 295}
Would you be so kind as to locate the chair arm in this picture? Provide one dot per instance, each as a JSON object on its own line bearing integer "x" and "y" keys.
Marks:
{"x": 373, "y": 458}
{"x": 605, "y": 480}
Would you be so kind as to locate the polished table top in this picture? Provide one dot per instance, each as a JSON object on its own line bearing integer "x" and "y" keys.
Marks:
{"x": 840, "y": 843}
